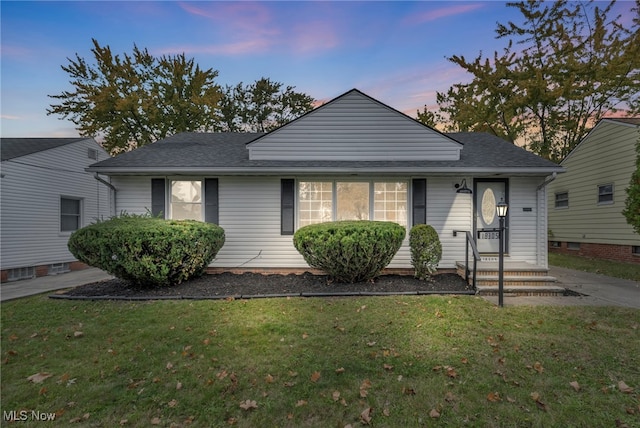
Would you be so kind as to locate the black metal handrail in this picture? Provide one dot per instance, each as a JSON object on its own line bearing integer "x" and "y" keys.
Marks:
{"x": 476, "y": 256}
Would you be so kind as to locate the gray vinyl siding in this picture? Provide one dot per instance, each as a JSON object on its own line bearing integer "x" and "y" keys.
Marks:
{"x": 354, "y": 128}
{"x": 31, "y": 188}
{"x": 606, "y": 156}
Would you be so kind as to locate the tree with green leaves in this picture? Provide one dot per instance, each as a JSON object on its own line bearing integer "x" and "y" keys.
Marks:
{"x": 632, "y": 203}
{"x": 261, "y": 106}
{"x": 564, "y": 67}
{"x": 137, "y": 99}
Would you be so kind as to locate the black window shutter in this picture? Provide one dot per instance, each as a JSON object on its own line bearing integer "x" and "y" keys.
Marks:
{"x": 211, "y": 206}
{"x": 419, "y": 194}
{"x": 158, "y": 197}
{"x": 287, "y": 206}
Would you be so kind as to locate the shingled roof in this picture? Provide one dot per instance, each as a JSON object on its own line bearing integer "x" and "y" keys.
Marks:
{"x": 11, "y": 148}
{"x": 226, "y": 153}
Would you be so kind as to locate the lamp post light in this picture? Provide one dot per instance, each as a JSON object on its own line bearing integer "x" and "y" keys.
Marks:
{"x": 501, "y": 209}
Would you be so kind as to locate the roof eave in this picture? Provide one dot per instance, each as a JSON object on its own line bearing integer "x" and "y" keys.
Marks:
{"x": 512, "y": 171}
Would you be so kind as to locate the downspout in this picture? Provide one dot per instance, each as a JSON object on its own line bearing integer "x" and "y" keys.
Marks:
{"x": 544, "y": 261}
{"x": 110, "y": 186}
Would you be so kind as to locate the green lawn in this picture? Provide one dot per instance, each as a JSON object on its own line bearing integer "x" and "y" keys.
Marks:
{"x": 320, "y": 362}
{"x": 601, "y": 266}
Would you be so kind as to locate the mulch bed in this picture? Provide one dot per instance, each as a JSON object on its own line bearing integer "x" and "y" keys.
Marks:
{"x": 249, "y": 285}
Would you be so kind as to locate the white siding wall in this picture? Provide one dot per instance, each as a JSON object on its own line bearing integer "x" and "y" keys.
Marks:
{"x": 31, "y": 188}
{"x": 133, "y": 194}
{"x": 524, "y": 236}
{"x": 448, "y": 211}
{"x": 354, "y": 127}
{"x": 250, "y": 215}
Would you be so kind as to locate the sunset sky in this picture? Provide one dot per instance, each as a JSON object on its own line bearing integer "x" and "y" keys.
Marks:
{"x": 393, "y": 51}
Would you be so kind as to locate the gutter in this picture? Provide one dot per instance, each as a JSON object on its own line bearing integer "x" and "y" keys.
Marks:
{"x": 110, "y": 186}
{"x": 105, "y": 182}
{"x": 547, "y": 181}
{"x": 324, "y": 170}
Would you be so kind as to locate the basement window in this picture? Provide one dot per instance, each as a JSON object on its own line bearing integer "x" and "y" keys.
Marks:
{"x": 573, "y": 246}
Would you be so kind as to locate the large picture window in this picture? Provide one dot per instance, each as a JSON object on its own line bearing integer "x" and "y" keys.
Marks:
{"x": 322, "y": 201}
{"x": 186, "y": 200}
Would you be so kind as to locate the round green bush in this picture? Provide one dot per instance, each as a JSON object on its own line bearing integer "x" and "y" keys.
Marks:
{"x": 148, "y": 251}
{"x": 426, "y": 250}
{"x": 349, "y": 251}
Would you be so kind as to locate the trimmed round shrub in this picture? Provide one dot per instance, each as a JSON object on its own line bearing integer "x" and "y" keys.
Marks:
{"x": 426, "y": 250}
{"x": 349, "y": 251}
{"x": 148, "y": 251}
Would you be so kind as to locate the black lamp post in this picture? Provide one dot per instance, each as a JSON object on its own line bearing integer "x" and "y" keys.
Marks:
{"x": 501, "y": 210}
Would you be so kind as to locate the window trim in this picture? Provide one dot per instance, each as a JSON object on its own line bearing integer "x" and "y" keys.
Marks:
{"x": 79, "y": 216}
{"x": 600, "y": 194}
{"x": 334, "y": 192}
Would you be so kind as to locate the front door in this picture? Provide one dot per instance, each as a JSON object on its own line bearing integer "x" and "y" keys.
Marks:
{"x": 487, "y": 194}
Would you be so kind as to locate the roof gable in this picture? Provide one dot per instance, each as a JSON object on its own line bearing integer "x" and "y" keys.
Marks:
{"x": 11, "y": 148}
{"x": 351, "y": 127}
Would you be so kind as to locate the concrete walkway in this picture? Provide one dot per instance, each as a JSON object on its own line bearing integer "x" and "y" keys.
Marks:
{"x": 45, "y": 284}
{"x": 595, "y": 290}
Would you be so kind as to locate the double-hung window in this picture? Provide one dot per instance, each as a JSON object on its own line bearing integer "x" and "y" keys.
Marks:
{"x": 605, "y": 194}
{"x": 322, "y": 201}
{"x": 70, "y": 214}
{"x": 186, "y": 200}
{"x": 562, "y": 200}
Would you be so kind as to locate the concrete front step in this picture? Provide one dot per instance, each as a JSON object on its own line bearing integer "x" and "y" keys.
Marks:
{"x": 520, "y": 278}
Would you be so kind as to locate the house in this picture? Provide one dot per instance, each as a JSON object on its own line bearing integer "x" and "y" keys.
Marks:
{"x": 586, "y": 203}
{"x": 46, "y": 194}
{"x": 352, "y": 158}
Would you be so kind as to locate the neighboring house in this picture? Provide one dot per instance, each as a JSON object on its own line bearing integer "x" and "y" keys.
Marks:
{"x": 352, "y": 158}
{"x": 46, "y": 194}
{"x": 586, "y": 203}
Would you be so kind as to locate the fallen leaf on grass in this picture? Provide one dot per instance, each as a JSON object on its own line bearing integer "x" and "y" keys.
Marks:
{"x": 623, "y": 387}
{"x": 269, "y": 379}
{"x": 301, "y": 403}
{"x": 173, "y": 403}
{"x": 365, "y": 416}
{"x": 78, "y": 334}
{"x": 536, "y": 397}
{"x": 538, "y": 367}
{"x": 315, "y": 376}
{"x": 335, "y": 395}
{"x": 340, "y": 370}
{"x": 575, "y": 385}
{"x": 388, "y": 367}
{"x": 434, "y": 414}
{"x": 249, "y": 405}
{"x": 39, "y": 377}
{"x": 494, "y": 397}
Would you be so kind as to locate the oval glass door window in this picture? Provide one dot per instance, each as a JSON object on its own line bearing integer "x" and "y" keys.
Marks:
{"x": 488, "y": 206}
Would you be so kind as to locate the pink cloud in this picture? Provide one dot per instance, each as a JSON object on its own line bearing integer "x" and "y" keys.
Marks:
{"x": 433, "y": 15}
{"x": 257, "y": 28}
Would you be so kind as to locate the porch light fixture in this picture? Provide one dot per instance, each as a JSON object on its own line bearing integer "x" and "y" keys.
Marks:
{"x": 501, "y": 210}
{"x": 462, "y": 187}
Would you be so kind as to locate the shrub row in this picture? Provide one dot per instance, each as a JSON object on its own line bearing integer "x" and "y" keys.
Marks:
{"x": 148, "y": 251}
